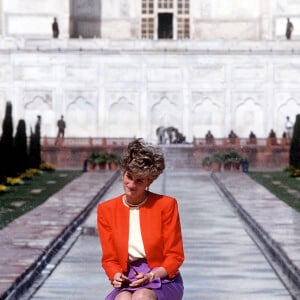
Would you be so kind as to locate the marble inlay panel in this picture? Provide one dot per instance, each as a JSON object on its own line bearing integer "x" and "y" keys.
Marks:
{"x": 208, "y": 73}
{"x": 172, "y": 74}
{"x": 249, "y": 72}
{"x": 40, "y": 73}
{"x": 84, "y": 73}
{"x": 287, "y": 73}
{"x": 122, "y": 73}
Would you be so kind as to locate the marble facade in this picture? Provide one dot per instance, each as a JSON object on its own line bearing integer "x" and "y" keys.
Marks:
{"x": 236, "y": 71}
{"x": 120, "y": 19}
{"x": 108, "y": 92}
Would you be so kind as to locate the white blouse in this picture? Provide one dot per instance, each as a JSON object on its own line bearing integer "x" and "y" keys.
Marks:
{"x": 136, "y": 248}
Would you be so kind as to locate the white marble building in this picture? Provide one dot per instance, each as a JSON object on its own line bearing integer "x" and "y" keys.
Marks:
{"x": 122, "y": 68}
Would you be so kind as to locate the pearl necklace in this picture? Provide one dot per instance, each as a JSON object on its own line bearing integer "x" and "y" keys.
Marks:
{"x": 135, "y": 205}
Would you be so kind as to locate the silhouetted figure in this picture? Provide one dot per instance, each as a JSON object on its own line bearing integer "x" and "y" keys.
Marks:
{"x": 288, "y": 128}
{"x": 209, "y": 138}
{"x": 272, "y": 137}
{"x": 38, "y": 126}
{"x": 35, "y": 145}
{"x": 55, "y": 29}
{"x": 232, "y": 134}
{"x": 85, "y": 165}
{"x": 252, "y": 138}
{"x": 272, "y": 134}
{"x": 289, "y": 29}
{"x": 180, "y": 138}
{"x": 61, "y": 124}
{"x": 160, "y": 132}
{"x": 232, "y": 137}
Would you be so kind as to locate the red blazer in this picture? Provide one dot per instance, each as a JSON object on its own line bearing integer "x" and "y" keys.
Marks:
{"x": 160, "y": 228}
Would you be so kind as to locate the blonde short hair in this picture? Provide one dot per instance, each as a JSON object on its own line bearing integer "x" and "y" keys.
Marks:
{"x": 142, "y": 160}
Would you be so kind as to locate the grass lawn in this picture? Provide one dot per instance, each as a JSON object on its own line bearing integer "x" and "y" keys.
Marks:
{"x": 23, "y": 198}
{"x": 281, "y": 185}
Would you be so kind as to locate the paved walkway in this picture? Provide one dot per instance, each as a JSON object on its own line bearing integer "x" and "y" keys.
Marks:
{"x": 30, "y": 241}
{"x": 222, "y": 261}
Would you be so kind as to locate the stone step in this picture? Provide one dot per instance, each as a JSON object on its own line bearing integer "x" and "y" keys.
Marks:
{"x": 180, "y": 157}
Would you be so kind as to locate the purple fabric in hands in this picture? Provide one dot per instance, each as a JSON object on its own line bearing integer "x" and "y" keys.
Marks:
{"x": 141, "y": 266}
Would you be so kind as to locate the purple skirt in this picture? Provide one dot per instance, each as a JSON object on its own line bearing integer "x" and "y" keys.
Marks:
{"x": 165, "y": 289}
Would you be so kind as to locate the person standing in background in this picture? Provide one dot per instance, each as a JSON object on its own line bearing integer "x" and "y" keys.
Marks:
{"x": 288, "y": 128}
{"x": 61, "y": 124}
{"x": 289, "y": 29}
{"x": 55, "y": 29}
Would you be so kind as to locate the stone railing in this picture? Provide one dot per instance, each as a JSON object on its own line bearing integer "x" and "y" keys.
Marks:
{"x": 85, "y": 142}
{"x": 241, "y": 142}
{"x": 262, "y": 153}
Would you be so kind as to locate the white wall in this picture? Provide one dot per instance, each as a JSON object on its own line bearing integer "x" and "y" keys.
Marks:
{"x": 34, "y": 18}
{"x": 120, "y": 19}
{"x": 104, "y": 91}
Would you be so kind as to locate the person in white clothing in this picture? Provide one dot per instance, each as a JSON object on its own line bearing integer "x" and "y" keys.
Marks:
{"x": 288, "y": 128}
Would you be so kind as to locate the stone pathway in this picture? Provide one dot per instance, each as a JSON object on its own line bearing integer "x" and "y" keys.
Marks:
{"x": 222, "y": 261}
{"x": 27, "y": 242}
{"x": 277, "y": 224}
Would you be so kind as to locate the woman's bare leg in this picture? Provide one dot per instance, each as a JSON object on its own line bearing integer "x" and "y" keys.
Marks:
{"x": 144, "y": 294}
{"x": 124, "y": 296}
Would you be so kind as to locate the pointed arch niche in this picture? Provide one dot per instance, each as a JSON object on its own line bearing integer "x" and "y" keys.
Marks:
{"x": 82, "y": 113}
{"x": 248, "y": 117}
{"x": 290, "y": 108}
{"x": 35, "y": 105}
{"x": 207, "y": 114}
{"x": 123, "y": 118}
{"x": 165, "y": 113}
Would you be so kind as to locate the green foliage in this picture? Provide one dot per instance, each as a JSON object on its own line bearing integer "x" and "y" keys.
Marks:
{"x": 292, "y": 171}
{"x": 93, "y": 157}
{"x": 207, "y": 161}
{"x": 22, "y": 193}
{"x": 279, "y": 183}
{"x": 35, "y": 146}
{"x": 233, "y": 156}
{"x": 20, "y": 153}
{"x": 6, "y": 144}
{"x": 113, "y": 157}
{"x": 97, "y": 158}
{"x": 218, "y": 157}
{"x": 102, "y": 157}
{"x": 294, "y": 159}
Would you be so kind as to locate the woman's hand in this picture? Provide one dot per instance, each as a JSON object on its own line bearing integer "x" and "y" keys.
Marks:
{"x": 120, "y": 281}
{"x": 142, "y": 279}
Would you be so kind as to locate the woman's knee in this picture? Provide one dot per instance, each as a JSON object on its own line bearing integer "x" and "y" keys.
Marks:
{"x": 124, "y": 296}
{"x": 144, "y": 294}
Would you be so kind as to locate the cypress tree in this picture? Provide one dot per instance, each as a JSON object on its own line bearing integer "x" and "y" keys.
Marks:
{"x": 20, "y": 148}
{"x": 35, "y": 145}
{"x": 32, "y": 150}
{"x": 295, "y": 145}
{"x": 6, "y": 144}
{"x": 38, "y": 141}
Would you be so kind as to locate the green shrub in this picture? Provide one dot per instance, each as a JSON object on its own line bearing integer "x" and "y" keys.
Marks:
{"x": 294, "y": 158}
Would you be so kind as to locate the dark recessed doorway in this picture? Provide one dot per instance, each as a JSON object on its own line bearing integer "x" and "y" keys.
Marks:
{"x": 165, "y": 26}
